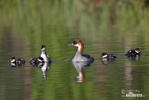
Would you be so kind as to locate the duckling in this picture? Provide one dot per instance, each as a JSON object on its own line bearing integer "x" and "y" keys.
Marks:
{"x": 107, "y": 56}
{"x": 16, "y": 61}
{"x": 138, "y": 51}
{"x": 134, "y": 52}
{"x": 37, "y": 61}
{"x": 44, "y": 55}
{"x": 20, "y": 61}
{"x": 12, "y": 61}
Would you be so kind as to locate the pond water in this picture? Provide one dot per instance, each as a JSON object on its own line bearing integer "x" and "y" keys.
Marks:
{"x": 102, "y": 81}
{"x": 22, "y": 33}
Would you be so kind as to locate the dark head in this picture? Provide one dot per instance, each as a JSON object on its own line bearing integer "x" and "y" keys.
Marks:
{"x": 137, "y": 50}
{"x": 13, "y": 57}
{"x": 77, "y": 42}
{"x": 104, "y": 55}
{"x": 12, "y": 60}
{"x": 43, "y": 47}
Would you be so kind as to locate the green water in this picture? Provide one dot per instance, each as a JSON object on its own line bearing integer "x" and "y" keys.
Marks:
{"x": 26, "y": 25}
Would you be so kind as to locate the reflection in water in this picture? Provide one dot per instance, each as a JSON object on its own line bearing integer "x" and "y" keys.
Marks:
{"x": 128, "y": 75}
{"x": 79, "y": 67}
{"x": 106, "y": 57}
{"x": 137, "y": 58}
{"x": 44, "y": 69}
{"x": 106, "y": 61}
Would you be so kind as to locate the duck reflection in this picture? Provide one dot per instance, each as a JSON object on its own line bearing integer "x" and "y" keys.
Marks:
{"x": 44, "y": 69}
{"x": 79, "y": 67}
{"x": 36, "y": 62}
{"x": 106, "y": 58}
{"x": 137, "y": 58}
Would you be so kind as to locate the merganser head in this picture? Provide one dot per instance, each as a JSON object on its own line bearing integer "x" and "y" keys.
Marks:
{"x": 43, "y": 47}
{"x": 79, "y": 44}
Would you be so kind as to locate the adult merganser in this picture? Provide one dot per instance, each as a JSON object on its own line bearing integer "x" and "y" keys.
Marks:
{"x": 134, "y": 52}
{"x": 79, "y": 57}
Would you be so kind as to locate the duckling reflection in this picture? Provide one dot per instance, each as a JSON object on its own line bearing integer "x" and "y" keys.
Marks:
{"x": 137, "y": 58}
{"x": 106, "y": 61}
{"x": 79, "y": 67}
{"x": 106, "y": 57}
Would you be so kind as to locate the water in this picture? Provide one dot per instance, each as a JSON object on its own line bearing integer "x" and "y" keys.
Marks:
{"x": 24, "y": 30}
{"x": 101, "y": 81}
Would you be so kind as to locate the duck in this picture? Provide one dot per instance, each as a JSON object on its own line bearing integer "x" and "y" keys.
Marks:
{"x": 79, "y": 56}
{"x": 16, "y": 61}
{"x": 134, "y": 52}
{"x": 12, "y": 60}
{"x": 36, "y": 61}
{"x": 107, "y": 56}
{"x": 44, "y": 55}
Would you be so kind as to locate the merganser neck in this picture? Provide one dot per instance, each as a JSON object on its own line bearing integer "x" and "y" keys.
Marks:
{"x": 80, "y": 48}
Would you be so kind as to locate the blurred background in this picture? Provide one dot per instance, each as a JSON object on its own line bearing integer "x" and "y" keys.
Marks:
{"x": 113, "y": 26}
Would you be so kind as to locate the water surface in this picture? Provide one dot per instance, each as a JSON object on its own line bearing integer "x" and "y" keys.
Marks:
{"x": 24, "y": 30}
